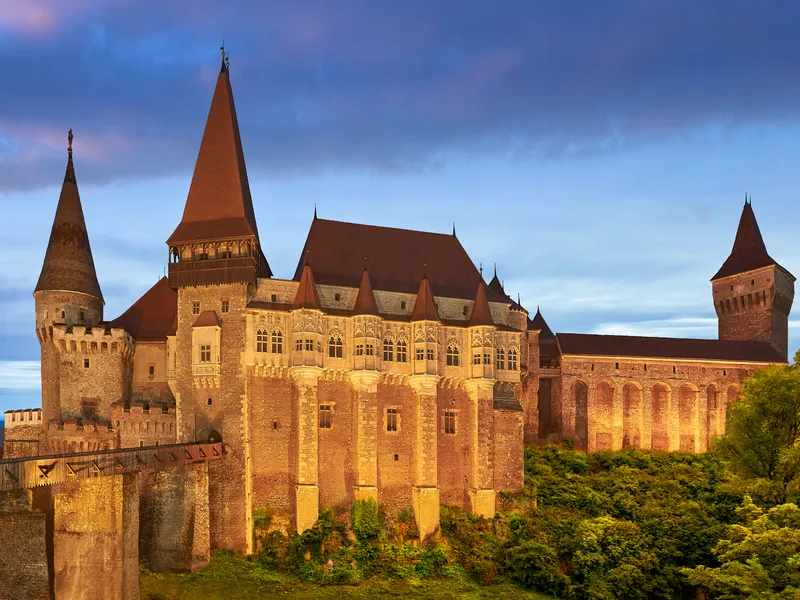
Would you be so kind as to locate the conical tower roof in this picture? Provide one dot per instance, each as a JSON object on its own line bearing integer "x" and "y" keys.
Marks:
{"x": 219, "y": 206}
{"x": 749, "y": 251}
{"x": 538, "y": 322}
{"x": 481, "y": 314}
{"x": 365, "y": 300}
{"x": 424, "y": 306}
{"x": 306, "y": 296}
{"x": 68, "y": 263}
{"x": 495, "y": 285}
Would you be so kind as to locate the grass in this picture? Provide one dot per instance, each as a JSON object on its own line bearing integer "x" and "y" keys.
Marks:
{"x": 234, "y": 578}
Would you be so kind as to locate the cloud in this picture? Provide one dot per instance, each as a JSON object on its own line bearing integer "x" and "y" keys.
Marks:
{"x": 20, "y": 375}
{"x": 688, "y": 327}
{"x": 389, "y": 87}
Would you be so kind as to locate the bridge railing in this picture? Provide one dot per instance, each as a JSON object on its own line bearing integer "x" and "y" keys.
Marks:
{"x": 30, "y": 472}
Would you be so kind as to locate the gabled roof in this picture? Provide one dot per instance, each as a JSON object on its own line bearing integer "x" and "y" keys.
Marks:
{"x": 153, "y": 315}
{"x": 424, "y": 306}
{"x": 306, "y": 296}
{"x": 219, "y": 206}
{"x": 68, "y": 262}
{"x": 749, "y": 251}
{"x": 397, "y": 259}
{"x": 207, "y": 318}
{"x": 538, "y": 322}
{"x": 481, "y": 314}
{"x": 585, "y": 344}
{"x": 365, "y": 300}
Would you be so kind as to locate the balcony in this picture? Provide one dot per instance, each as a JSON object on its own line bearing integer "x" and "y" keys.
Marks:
{"x": 206, "y": 374}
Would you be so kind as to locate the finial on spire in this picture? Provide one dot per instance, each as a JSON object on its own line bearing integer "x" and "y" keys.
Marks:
{"x": 454, "y": 229}
{"x": 495, "y": 269}
{"x": 425, "y": 270}
{"x": 481, "y": 270}
{"x": 69, "y": 142}
{"x": 519, "y": 299}
{"x": 315, "y": 211}
{"x": 365, "y": 263}
{"x": 225, "y": 64}
{"x": 305, "y": 258}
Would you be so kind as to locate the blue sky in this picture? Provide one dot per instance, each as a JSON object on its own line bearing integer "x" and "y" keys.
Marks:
{"x": 599, "y": 153}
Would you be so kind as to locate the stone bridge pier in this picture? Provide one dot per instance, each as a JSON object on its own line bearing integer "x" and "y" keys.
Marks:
{"x": 81, "y": 538}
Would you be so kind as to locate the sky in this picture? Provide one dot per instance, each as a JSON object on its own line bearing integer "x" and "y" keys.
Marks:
{"x": 598, "y": 153}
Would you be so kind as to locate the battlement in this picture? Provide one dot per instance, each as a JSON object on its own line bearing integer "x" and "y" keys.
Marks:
{"x": 88, "y": 340}
{"x": 79, "y": 425}
{"x": 119, "y": 410}
{"x": 23, "y": 417}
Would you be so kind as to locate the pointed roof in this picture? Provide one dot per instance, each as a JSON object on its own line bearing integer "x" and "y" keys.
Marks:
{"x": 365, "y": 300}
{"x": 68, "y": 263}
{"x": 219, "y": 205}
{"x": 306, "y": 296}
{"x": 538, "y": 322}
{"x": 749, "y": 251}
{"x": 481, "y": 314}
{"x": 207, "y": 318}
{"x": 152, "y": 316}
{"x": 424, "y": 306}
{"x": 495, "y": 284}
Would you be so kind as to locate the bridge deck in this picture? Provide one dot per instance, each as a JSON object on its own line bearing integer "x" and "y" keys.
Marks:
{"x": 35, "y": 471}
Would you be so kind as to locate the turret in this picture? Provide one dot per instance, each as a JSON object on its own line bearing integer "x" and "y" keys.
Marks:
{"x": 426, "y": 324}
{"x": 366, "y": 327}
{"x": 307, "y": 321}
{"x": 752, "y": 293}
{"x": 481, "y": 334}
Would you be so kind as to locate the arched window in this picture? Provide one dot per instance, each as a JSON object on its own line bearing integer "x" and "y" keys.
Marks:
{"x": 388, "y": 350}
{"x": 277, "y": 341}
{"x": 512, "y": 359}
{"x": 402, "y": 351}
{"x": 335, "y": 346}
{"x": 261, "y": 340}
{"x": 453, "y": 358}
{"x": 501, "y": 358}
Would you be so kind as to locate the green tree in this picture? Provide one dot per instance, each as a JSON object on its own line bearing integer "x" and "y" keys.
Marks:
{"x": 760, "y": 560}
{"x": 762, "y": 441}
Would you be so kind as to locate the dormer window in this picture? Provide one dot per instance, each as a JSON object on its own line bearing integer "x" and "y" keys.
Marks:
{"x": 82, "y": 316}
{"x": 402, "y": 304}
{"x": 337, "y": 297}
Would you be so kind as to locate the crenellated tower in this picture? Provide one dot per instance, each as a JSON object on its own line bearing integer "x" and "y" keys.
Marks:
{"x": 753, "y": 294}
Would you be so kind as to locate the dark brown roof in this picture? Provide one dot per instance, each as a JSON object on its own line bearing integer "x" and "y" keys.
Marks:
{"x": 153, "y": 315}
{"x": 219, "y": 205}
{"x": 495, "y": 284}
{"x": 306, "y": 296}
{"x": 424, "y": 305}
{"x": 365, "y": 300}
{"x": 481, "y": 314}
{"x": 397, "y": 259}
{"x": 269, "y": 305}
{"x": 749, "y": 251}
{"x": 657, "y": 347}
{"x": 538, "y": 322}
{"x": 68, "y": 263}
{"x": 207, "y": 318}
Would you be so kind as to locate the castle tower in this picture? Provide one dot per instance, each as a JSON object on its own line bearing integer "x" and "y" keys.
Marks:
{"x": 67, "y": 293}
{"x": 752, "y": 293}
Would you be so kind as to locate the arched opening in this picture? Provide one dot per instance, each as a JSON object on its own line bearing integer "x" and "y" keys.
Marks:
{"x": 687, "y": 417}
{"x": 545, "y": 408}
{"x": 732, "y": 394}
{"x": 580, "y": 393}
{"x": 603, "y": 413}
{"x": 659, "y": 413}
{"x": 631, "y": 415}
{"x": 712, "y": 408}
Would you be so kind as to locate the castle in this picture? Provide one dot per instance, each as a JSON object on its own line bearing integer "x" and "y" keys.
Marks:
{"x": 384, "y": 368}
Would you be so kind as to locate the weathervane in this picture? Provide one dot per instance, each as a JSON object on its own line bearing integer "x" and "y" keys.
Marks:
{"x": 226, "y": 59}
{"x": 69, "y": 140}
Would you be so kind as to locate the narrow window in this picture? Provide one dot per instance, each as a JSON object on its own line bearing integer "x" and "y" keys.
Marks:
{"x": 452, "y": 356}
{"x": 337, "y": 297}
{"x": 324, "y": 416}
{"x": 370, "y": 349}
{"x": 85, "y": 363}
{"x": 298, "y": 345}
{"x": 273, "y": 298}
{"x": 277, "y": 341}
{"x": 205, "y": 353}
{"x": 752, "y": 282}
{"x": 195, "y": 308}
{"x": 476, "y": 357}
{"x": 396, "y": 457}
{"x": 359, "y": 349}
{"x": 430, "y": 354}
{"x": 465, "y": 310}
{"x": 724, "y": 372}
{"x": 209, "y": 401}
{"x": 402, "y": 305}
{"x": 501, "y": 359}
{"x": 225, "y": 306}
{"x": 335, "y": 346}
{"x": 274, "y": 426}
{"x": 645, "y": 367}
{"x": 512, "y": 359}
{"x": 449, "y": 422}
{"x": 82, "y": 316}
{"x": 388, "y": 348}
{"x": 63, "y": 315}
{"x": 487, "y": 358}
{"x": 674, "y": 369}
{"x": 310, "y": 345}
{"x": 420, "y": 354}
{"x": 151, "y": 371}
{"x": 616, "y": 366}
{"x": 261, "y": 340}
{"x": 88, "y": 408}
{"x": 391, "y": 419}
{"x": 402, "y": 351}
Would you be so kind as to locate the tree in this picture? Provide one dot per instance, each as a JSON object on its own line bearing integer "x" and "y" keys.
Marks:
{"x": 760, "y": 560}
{"x": 762, "y": 441}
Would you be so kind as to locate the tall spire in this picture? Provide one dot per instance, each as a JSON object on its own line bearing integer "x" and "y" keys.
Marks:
{"x": 365, "y": 300}
{"x": 68, "y": 263}
{"x": 495, "y": 284}
{"x": 749, "y": 251}
{"x": 424, "y": 306}
{"x": 481, "y": 314}
{"x": 538, "y": 322}
{"x": 306, "y": 296}
{"x": 219, "y": 205}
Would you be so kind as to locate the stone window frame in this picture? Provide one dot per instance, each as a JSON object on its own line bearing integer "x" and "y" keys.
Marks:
{"x": 359, "y": 351}
{"x": 487, "y": 358}
{"x": 501, "y": 359}
{"x": 402, "y": 351}
{"x": 369, "y": 349}
{"x": 512, "y": 359}
{"x": 309, "y": 345}
{"x": 205, "y": 353}
{"x": 336, "y": 345}
{"x": 225, "y": 305}
{"x": 388, "y": 349}
{"x": 449, "y": 421}
{"x": 453, "y": 355}
{"x": 430, "y": 354}
{"x": 261, "y": 340}
{"x": 277, "y": 341}
{"x": 325, "y": 416}
{"x": 393, "y": 411}
{"x": 195, "y": 308}
{"x": 298, "y": 345}
{"x": 419, "y": 353}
